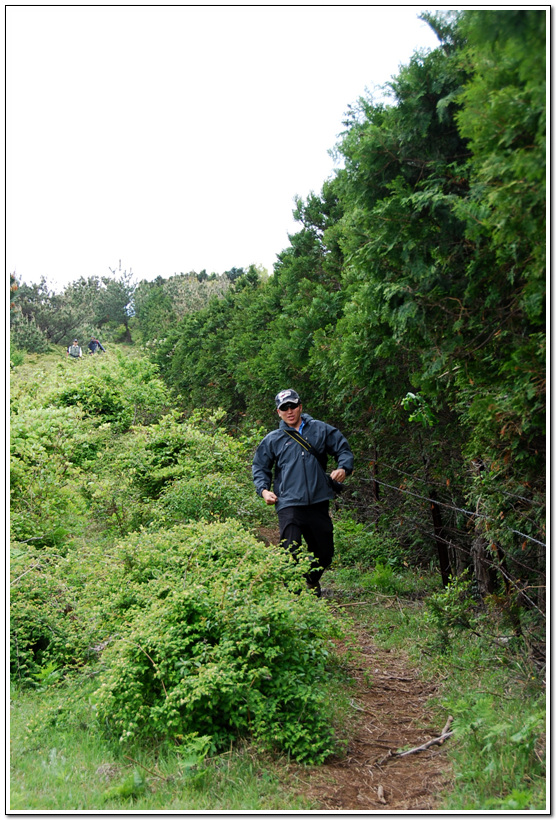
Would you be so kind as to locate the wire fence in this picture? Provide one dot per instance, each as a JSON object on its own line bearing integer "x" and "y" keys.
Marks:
{"x": 435, "y": 501}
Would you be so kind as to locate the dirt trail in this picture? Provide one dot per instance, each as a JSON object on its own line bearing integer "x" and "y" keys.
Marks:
{"x": 391, "y": 713}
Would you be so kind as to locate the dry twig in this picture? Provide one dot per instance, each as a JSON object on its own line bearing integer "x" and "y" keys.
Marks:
{"x": 437, "y": 741}
{"x": 154, "y": 774}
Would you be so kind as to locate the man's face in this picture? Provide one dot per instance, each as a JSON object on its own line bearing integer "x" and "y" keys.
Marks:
{"x": 290, "y": 413}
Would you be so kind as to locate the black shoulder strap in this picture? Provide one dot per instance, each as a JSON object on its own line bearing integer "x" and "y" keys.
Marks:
{"x": 305, "y": 444}
{"x": 336, "y": 486}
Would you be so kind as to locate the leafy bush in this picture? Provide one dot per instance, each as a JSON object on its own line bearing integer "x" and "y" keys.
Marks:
{"x": 17, "y": 357}
{"x": 46, "y": 634}
{"x": 41, "y": 433}
{"x": 122, "y": 391}
{"x": 385, "y": 580}
{"x": 209, "y": 638}
{"x": 143, "y": 387}
{"x": 192, "y": 449}
{"x": 453, "y": 610}
{"x": 101, "y": 397}
{"x": 212, "y": 496}
{"x": 171, "y": 472}
{"x": 48, "y": 447}
{"x": 355, "y": 543}
{"x": 114, "y": 504}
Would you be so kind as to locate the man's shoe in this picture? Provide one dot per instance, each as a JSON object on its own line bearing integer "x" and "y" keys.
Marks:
{"x": 315, "y": 587}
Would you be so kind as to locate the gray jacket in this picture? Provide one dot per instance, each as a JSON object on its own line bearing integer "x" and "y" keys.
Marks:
{"x": 298, "y": 479}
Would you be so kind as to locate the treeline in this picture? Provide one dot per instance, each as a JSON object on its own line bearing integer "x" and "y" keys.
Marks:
{"x": 111, "y": 305}
{"x": 409, "y": 308}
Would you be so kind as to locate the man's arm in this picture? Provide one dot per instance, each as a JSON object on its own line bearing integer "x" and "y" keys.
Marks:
{"x": 261, "y": 470}
{"x": 338, "y": 446}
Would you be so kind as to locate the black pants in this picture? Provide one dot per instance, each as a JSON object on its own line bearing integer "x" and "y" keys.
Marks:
{"x": 313, "y": 522}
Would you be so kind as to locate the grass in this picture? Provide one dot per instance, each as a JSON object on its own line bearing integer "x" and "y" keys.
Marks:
{"x": 71, "y": 768}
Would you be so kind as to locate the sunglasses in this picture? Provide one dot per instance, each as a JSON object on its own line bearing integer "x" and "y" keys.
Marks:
{"x": 288, "y": 406}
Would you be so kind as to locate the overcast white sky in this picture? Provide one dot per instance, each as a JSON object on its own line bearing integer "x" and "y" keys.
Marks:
{"x": 174, "y": 138}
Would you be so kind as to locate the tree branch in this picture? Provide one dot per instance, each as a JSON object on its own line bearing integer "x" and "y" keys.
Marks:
{"x": 437, "y": 741}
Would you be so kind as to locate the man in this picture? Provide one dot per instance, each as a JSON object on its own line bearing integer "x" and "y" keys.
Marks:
{"x": 296, "y": 454}
{"x": 74, "y": 351}
{"x": 94, "y": 344}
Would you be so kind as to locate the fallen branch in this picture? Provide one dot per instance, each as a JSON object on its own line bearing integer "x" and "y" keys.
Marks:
{"x": 154, "y": 774}
{"x": 386, "y": 757}
{"x": 435, "y": 742}
{"x": 392, "y": 598}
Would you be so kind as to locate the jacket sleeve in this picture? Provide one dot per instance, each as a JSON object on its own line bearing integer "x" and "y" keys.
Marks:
{"x": 261, "y": 470}
{"x": 337, "y": 445}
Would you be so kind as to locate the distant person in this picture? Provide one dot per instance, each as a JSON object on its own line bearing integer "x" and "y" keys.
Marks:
{"x": 74, "y": 351}
{"x": 95, "y": 346}
{"x": 289, "y": 470}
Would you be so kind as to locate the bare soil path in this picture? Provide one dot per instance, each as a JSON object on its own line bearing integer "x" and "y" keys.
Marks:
{"x": 390, "y": 714}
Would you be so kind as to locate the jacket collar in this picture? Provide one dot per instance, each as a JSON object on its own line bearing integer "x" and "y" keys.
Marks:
{"x": 305, "y": 417}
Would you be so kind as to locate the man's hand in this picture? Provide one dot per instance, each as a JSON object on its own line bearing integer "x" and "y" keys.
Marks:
{"x": 338, "y": 475}
{"x": 269, "y": 497}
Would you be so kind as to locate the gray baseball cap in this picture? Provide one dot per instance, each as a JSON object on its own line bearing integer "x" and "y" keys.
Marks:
{"x": 286, "y": 397}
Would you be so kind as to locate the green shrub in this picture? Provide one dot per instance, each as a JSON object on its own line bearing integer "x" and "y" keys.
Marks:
{"x": 48, "y": 447}
{"x": 382, "y": 579}
{"x": 53, "y": 432}
{"x": 100, "y": 397}
{"x": 385, "y": 580}
{"x": 453, "y": 609}
{"x": 212, "y": 496}
{"x": 210, "y": 639}
{"x": 46, "y": 632}
{"x": 144, "y": 389}
{"x": 115, "y": 507}
{"x": 355, "y": 543}
{"x": 119, "y": 390}
{"x": 194, "y": 449}
{"x": 17, "y": 357}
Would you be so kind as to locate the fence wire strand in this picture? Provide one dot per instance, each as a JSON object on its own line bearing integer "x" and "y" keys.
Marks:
{"x": 452, "y": 507}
